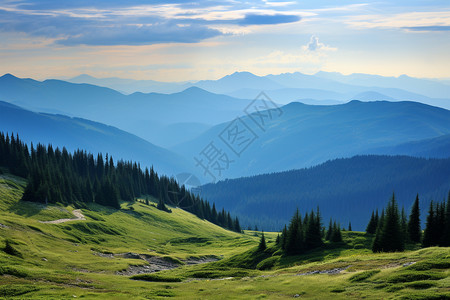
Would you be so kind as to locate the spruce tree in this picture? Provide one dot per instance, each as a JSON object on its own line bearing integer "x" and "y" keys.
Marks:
{"x": 390, "y": 237}
{"x": 445, "y": 241}
{"x": 404, "y": 225}
{"x": 349, "y": 226}
{"x": 372, "y": 225}
{"x": 295, "y": 236}
{"x": 283, "y": 238}
{"x": 262, "y": 243}
{"x": 414, "y": 231}
{"x": 336, "y": 236}
{"x": 329, "y": 231}
{"x": 430, "y": 228}
{"x": 313, "y": 236}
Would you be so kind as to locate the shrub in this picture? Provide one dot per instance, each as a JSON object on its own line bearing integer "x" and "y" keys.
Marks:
{"x": 156, "y": 278}
{"x": 363, "y": 275}
{"x": 428, "y": 265}
{"x": 268, "y": 263}
{"x": 16, "y": 290}
{"x": 9, "y": 249}
{"x": 7, "y": 270}
{"x": 410, "y": 276}
{"x": 421, "y": 285}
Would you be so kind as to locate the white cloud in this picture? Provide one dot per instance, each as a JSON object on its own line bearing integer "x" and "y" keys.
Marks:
{"x": 402, "y": 20}
{"x": 314, "y": 45}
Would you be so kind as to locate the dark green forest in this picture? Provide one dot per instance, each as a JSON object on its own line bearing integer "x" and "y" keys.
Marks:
{"x": 392, "y": 231}
{"x": 346, "y": 189}
{"x": 57, "y": 176}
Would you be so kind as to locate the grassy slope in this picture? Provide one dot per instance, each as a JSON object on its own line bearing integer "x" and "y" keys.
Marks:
{"x": 59, "y": 261}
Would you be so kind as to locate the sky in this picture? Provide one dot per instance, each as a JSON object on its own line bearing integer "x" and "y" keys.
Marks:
{"x": 208, "y": 39}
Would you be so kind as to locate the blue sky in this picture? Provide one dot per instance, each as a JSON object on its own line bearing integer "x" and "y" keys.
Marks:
{"x": 179, "y": 40}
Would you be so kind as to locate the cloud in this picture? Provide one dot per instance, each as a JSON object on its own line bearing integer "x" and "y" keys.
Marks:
{"x": 428, "y": 28}
{"x": 256, "y": 19}
{"x": 141, "y": 35}
{"x": 314, "y": 45}
{"x": 414, "y": 21}
{"x": 114, "y": 22}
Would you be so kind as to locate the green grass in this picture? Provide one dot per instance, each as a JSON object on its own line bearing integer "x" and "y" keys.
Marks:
{"x": 81, "y": 258}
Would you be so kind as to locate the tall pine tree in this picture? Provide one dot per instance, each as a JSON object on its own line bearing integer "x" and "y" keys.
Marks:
{"x": 414, "y": 231}
{"x": 390, "y": 235}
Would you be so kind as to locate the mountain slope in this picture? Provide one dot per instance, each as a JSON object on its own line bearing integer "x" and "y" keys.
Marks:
{"x": 305, "y": 135}
{"x": 129, "y": 86}
{"x": 236, "y": 81}
{"x": 74, "y": 133}
{"x": 417, "y": 85}
{"x": 142, "y": 114}
{"x": 345, "y": 189}
{"x": 438, "y": 147}
{"x": 93, "y": 258}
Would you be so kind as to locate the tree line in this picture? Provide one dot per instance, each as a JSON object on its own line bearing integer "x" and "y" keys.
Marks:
{"x": 307, "y": 233}
{"x": 55, "y": 175}
{"x": 391, "y": 229}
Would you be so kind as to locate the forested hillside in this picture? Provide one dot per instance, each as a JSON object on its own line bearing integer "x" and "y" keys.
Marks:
{"x": 345, "y": 189}
{"x": 57, "y": 176}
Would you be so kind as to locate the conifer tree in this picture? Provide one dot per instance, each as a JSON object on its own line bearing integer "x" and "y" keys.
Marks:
{"x": 262, "y": 243}
{"x": 237, "y": 226}
{"x": 313, "y": 235}
{"x": 349, "y": 226}
{"x": 445, "y": 241}
{"x": 294, "y": 238}
{"x": 329, "y": 231}
{"x": 404, "y": 224}
{"x": 336, "y": 236}
{"x": 373, "y": 223}
{"x": 430, "y": 228}
{"x": 283, "y": 238}
{"x": 414, "y": 231}
{"x": 390, "y": 237}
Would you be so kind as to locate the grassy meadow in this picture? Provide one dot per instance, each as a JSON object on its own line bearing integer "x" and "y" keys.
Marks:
{"x": 84, "y": 259}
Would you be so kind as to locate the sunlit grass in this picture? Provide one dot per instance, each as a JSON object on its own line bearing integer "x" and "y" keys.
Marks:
{"x": 75, "y": 258}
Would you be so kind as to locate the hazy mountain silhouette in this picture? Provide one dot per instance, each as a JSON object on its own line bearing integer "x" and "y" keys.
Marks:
{"x": 76, "y": 133}
{"x": 129, "y": 86}
{"x": 305, "y": 135}
{"x": 146, "y": 115}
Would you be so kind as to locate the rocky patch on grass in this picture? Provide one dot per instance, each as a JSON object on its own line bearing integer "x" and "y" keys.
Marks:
{"x": 200, "y": 260}
{"x": 331, "y": 271}
{"x": 156, "y": 264}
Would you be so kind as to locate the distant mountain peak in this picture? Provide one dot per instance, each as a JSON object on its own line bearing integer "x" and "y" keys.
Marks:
{"x": 83, "y": 77}
{"x": 372, "y": 96}
{"x": 8, "y": 76}
{"x": 243, "y": 74}
{"x": 195, "y": 90}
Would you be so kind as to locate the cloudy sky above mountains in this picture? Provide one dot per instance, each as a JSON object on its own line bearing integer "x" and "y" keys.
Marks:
{"x": 179, "y": 40}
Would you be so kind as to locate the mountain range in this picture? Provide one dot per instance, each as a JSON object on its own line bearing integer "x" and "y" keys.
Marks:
{"x": 288, "y": 87}
{"x": 278, "y": 138}
{"x": 150, "y": 116}
{"x": 76, "y": 133}
{"x": 299, "y": 135}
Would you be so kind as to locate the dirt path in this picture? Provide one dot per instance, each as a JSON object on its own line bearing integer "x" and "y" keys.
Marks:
{"x": 78, "y": 217}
